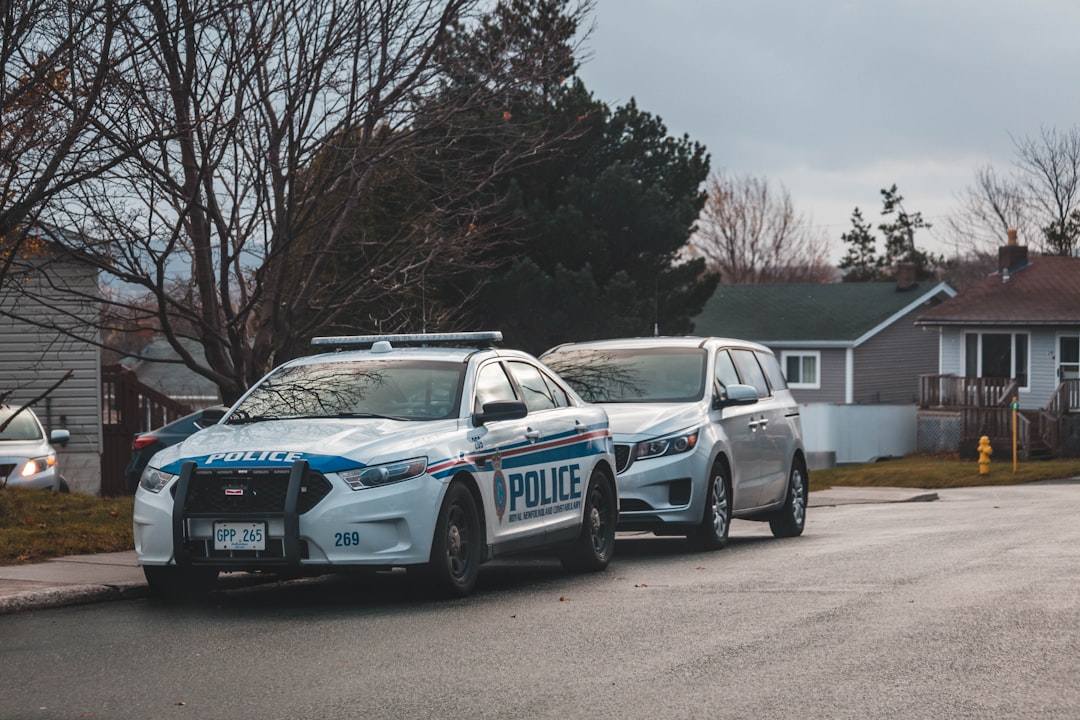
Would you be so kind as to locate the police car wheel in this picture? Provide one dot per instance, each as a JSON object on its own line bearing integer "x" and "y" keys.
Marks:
{"x": 712, "y": 533}
{"x": 457, "y": 546}
{"x": 596, "y": 543}
{"x": 180, "y": 584}
{"x": 790, "y": 519}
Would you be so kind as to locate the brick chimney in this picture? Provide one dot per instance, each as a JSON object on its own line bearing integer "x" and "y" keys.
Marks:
{"x": 1012, "y": 257}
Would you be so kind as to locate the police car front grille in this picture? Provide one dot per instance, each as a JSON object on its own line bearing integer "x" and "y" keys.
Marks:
{"x": 622, "y": 458}
{"x": 253, "y": 490}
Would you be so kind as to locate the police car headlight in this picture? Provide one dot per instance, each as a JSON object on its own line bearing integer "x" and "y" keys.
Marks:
{"x": 672, "y": 445}
{"x": 376, "y": 475}
{"x": 34, "y": 466}
{"x": 154, "y": 480}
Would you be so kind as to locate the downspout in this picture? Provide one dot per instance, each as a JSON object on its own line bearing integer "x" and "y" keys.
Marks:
{"x": 849, "y": 376}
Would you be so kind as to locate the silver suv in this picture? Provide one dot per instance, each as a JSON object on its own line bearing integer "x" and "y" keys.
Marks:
{"x": 705, "y": 431}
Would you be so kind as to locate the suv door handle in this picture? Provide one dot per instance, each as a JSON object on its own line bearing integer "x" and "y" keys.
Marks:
{"x": 580, "y": 426}
{"x": 532, "y": 435}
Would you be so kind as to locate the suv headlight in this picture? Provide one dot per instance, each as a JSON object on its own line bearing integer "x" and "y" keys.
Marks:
{"x": 37, "y": 465}
{"x": 155, "y": 480}
{"x": 377, "y": 475}
{"x": 670, "y": 445}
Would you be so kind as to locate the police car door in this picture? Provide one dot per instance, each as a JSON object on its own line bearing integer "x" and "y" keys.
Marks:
{"x": 508, "y": 466}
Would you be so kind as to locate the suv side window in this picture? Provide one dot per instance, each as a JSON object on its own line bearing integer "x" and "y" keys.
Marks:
{"x": 536, "y": 392}
{"x": 725, "y": 369}
{"x": 772, "y": 370}
{"x": 492, "y": 385}
{"x": 750, "y": 371}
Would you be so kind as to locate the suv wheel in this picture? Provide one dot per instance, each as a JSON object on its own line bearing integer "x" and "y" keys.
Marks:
{"x": 712, "y": 533}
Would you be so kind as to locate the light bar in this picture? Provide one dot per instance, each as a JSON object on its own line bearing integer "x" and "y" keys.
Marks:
{"x": 464, "y": 338}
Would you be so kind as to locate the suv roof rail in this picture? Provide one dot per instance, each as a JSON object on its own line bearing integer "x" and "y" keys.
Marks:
{"x": 467, "y": 339}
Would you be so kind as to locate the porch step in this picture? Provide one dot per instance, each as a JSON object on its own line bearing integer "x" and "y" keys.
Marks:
{"x": 1038, "y": 450}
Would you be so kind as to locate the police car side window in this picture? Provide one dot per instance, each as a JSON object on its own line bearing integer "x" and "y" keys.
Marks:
{"x": 492, "y": 385}
{"x": 536, "y": 393}
{"x": 557, "y": 393}
{"x": 750, "y": 371}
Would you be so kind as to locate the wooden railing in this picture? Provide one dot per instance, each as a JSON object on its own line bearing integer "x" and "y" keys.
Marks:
{"x": 983, "y": 404}
{"x": 955, "y": 391}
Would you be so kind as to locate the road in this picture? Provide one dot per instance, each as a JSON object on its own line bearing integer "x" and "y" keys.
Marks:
{"x": 966, "y": 607}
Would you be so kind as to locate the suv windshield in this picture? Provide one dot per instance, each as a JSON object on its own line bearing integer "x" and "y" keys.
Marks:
{"x": 399, "y": 389}
{"x": 652, "y": 375}
{"x": 22, "y": 427}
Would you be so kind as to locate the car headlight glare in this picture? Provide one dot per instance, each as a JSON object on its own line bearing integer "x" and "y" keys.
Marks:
{"x": 155, "y": 480}
{"x": 384, "y": 474}
{"x": 37, "y": 465}
{"x": 671, "y": 445}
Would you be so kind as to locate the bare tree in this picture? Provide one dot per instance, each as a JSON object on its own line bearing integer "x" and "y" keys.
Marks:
{"x": 750, "y": 233}
{"x": 1050, "y": 175}
{"x": 56, "y": 59}
{"x": 989, "y": 207}
{"x": 1041, "y": 198}
{"x": 250, "y": 133}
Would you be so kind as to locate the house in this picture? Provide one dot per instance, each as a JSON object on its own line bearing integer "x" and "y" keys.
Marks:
{"x": 851, "y": 353}
{"x": 1013, "y": 337}
{"x": 42, "y": 288}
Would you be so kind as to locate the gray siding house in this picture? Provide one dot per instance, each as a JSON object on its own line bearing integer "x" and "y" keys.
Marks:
{"x": 851, "y": 353}
{"x": 1015, "y": 334}
{"x": 33, "y": 358}
{"x": 849, "y": 343}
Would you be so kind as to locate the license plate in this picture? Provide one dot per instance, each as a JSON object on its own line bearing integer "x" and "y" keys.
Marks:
{"x": 239, "y": 536}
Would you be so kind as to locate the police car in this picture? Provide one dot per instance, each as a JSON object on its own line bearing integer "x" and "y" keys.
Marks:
{"x": 433, "y": 452}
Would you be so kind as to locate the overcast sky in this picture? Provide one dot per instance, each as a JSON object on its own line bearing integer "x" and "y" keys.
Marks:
{"x": 837, "y": 99}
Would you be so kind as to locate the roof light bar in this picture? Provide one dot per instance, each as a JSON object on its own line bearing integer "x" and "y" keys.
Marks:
{"x": 464, "y": 338}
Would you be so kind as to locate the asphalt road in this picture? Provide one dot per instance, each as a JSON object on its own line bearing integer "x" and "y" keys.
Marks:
{"x": 966, "y": 607}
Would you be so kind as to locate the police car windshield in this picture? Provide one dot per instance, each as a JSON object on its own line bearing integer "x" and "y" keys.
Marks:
{"x": 649, "y": 375}
{"x": 397, "y": 389}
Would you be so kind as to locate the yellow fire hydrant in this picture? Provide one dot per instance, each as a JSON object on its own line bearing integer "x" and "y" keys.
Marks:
{"x": 985, "y": 451}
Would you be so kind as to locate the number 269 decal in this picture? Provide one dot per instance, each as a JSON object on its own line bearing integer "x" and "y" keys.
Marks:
{"x": 346, "y": 539}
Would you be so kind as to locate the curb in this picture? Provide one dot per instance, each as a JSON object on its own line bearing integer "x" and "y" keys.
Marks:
{"x": 72, "y": 595}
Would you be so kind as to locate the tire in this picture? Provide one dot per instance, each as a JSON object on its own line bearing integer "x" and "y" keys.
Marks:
{"x": 790, "y": 520}
{"x": 712, "y": 533}
{"x": 595, "y": 544}
{"x": 62, "y": 486}
{"x": 457, "y": 548}
{"x": 180, "y": 584}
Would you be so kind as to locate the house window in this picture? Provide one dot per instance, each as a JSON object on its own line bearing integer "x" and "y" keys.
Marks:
{"x": 802, "y": 369}
{"x": 1069, "y": 357}
{"x": 997, "y": 355}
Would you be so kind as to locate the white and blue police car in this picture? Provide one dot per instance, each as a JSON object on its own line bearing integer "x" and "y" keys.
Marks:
{"x": 434, "y": 452}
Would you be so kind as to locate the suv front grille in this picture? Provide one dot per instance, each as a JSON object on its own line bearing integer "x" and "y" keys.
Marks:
{"x": 253, "y": 490}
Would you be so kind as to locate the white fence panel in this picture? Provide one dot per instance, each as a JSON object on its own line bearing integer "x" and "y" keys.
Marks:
{"x": 837, "y": 434}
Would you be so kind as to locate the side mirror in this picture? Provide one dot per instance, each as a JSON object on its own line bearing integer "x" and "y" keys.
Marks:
{"x": 738, "y": 395}
{"x": 59, "y": 437}
{"x": 500, "y": 410}
{"x": 211, "y": 416}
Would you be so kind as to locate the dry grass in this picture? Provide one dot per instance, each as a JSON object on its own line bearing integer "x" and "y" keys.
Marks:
{"x": 38, "y": 524}
{"x": 941, "y": 471}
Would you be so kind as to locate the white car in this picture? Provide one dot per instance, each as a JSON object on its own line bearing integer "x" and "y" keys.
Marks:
{"x": 433, "y": 458}
{"x": 705, "y": 430}
{"x": 27, "y": 458}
